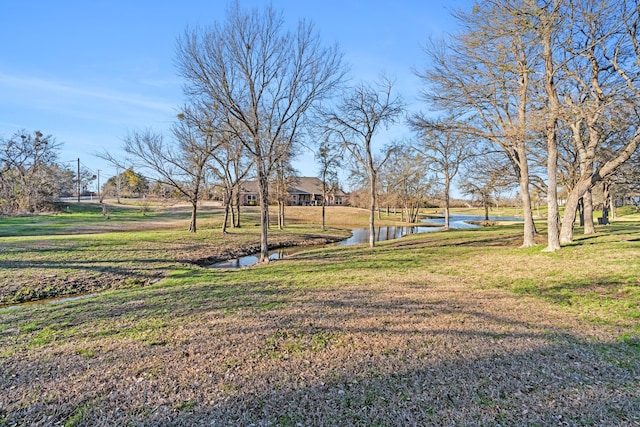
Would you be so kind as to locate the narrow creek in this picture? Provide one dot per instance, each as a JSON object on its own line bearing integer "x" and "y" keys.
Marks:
{"x": 358, "y": 236}
{"x": 361, "y": 235}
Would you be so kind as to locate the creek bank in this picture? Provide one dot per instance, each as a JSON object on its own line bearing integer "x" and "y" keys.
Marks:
{"x": 51, "y": 284}
{"x": 429, "y": 223}
{"x": 358, "y": 236}
{"x": 254, "y": 248}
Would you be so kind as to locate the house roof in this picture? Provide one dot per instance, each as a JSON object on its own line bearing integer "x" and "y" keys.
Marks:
{"x": 301, "y": 185}
{"x": 310, "y": 185}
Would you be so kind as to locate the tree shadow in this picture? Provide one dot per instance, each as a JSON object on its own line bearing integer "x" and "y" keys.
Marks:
{"x": 328, "y": 357}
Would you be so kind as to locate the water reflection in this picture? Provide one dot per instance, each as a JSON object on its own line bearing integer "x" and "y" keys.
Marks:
{"x": 462, "y": 221}
{"x": 361, "y": 235}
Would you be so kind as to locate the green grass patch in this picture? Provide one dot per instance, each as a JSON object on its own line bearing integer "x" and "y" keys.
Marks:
{"x": 596, "y": 277}
{"x": 78, "y": 416}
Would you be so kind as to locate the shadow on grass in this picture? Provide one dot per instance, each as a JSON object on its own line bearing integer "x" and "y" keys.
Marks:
{"x": 570, "y": 384}
{"x": 379, "y": 363}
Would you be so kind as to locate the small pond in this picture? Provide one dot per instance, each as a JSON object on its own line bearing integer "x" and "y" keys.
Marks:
{"x": 361, "y": 235}
{"x": 461, "y": 221}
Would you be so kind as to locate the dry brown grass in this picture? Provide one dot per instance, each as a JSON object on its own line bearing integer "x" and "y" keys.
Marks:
{"x": 449, "y": 329}
{"x": 412, "y": 351}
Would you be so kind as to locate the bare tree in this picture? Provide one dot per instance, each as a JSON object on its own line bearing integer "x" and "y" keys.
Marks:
{"x": 356, "y": 120}
{"x": 406, "y": 181}
{"x": 233, "y": 166}
{"x": 284, "y": 177}
{"x": 484, "y": 74}
{"x": 444, "y": 151}
{"x": 329, "y": 156}
{"x": 604, "y": 103}
{"x": 265, "y": 79}
{"x": 549, "y": 23}
{"x": 182, "y": 163}
{"x": 623, "y": 185}
{"x": 486, "y": 176}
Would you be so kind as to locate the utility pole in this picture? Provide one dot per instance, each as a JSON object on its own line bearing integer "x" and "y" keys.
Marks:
{"x": 98, "y": 192}
{"x": 78, "y": 179}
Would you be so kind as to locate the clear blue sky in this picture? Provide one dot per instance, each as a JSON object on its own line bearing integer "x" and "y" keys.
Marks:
{"x": 89, "y": 72}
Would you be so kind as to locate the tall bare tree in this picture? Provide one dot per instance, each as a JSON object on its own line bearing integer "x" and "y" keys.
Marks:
{"x": 329, "y": 156}
{"x": 283, "y": 177}
{"x": 444, "y": 151}
{"x": 357, "y": 118}
{"x": 548, "y": 22}
{"x": 483, "y": 73}
{"x": 605, "y": 102}
{"x": 181, "y": 163}
{"x": 232, "y": 166}
{"x": 406, "y": 182}
{"x": 265, "y": 78}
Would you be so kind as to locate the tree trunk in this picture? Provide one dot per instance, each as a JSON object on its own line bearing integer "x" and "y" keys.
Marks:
{"x": 553, "y": 213}
{"x": 372, "y": 209}
{"x": 227, "y": 208}
{"x": 446, "y": 200}
{"x": 587, "y": 205}
{"x": 570, "y": 208}
{"x": 236, "y": 222}
{"x": 263, "y": 194}
{"x": 280, "y": 214}
{"x": 194, "y": 209}
{"x": 323, "y": 216}
{"x": 581, "y": 211}
{"x": 235, "y": 214}
{"x": 528, "y": 239}
{"x": 607, "y": 205}
{"x": 225, "y": 220}
{"x": 553, "y": 216}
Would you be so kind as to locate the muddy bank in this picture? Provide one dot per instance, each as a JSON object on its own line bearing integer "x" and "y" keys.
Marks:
{"x": 254, "y": 248}
{"x": 44, "y": 285}
{"x": 44, "y": 280}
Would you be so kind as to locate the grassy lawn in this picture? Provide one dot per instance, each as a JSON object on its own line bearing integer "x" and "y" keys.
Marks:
{"x": 81, "y": 252}
{"x": 445, "y": 328}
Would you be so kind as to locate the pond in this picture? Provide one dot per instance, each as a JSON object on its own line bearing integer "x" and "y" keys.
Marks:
{"x": 361, "y": 235}
{"x": 461, "y": 221}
